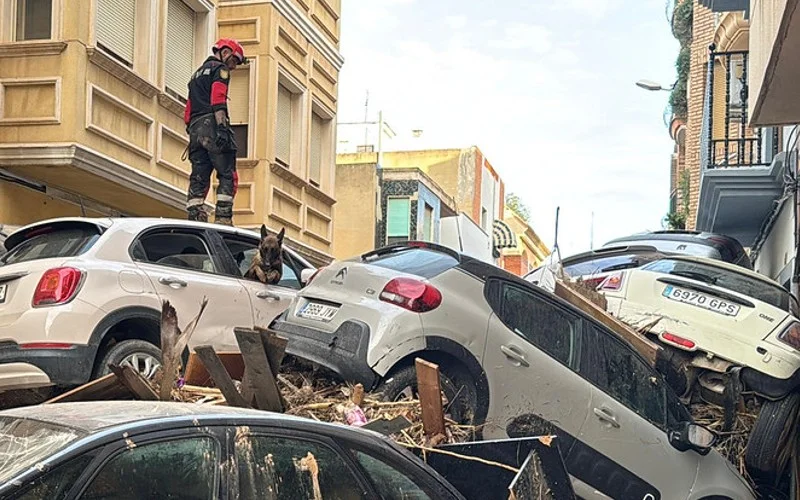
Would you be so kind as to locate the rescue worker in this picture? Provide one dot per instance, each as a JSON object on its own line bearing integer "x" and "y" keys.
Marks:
{"x": 211, "y": 142}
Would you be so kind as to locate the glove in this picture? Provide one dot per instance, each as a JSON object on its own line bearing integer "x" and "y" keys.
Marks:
{"x": 223, "y": 138}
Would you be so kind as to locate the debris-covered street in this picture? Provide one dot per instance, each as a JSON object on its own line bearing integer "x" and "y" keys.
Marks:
{"x": 397, "y": 249}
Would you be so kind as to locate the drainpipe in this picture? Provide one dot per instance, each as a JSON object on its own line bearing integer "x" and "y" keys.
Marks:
{"x": 796, "y": 199}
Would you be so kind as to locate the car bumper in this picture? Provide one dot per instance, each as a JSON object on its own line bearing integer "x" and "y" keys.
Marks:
{"x": 343, "y": 351}
{"x": 25, "y": 368}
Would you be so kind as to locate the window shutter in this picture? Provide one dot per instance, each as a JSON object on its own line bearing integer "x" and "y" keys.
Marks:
{"x": 116, "y": 21}
{"x": 316, "y": 148}
{"x": 398, "y": 216}
{"x": 239, "y": 96}
{"x": 179, "y": 63}
{"x": 283, "y": 129}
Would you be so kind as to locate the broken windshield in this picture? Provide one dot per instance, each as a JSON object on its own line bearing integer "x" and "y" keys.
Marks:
{"x": 724, "y": 278}
{"x": 24, "y": 443}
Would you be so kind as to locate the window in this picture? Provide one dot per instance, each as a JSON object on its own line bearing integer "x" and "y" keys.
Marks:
{"x": 281, "y": 468}
{"x": 179, "y": 60}
{"x": 391, "y": 483}
{"x": 616, "y": 370}
{"x": 174, "y": 249}
{"x": 34, "y": 19}
{"x": 315, "y": 169}
{"x": 283, "y": 129}
{"x": 116, "y": 28}
{"x": 418, "y": 261}
{"x": 57, "y": 483}
{"x": 59, "y": 241}
{"x": 545, "y": 325}
{"x": 753, "y": 287}
{"x": 239, "y": 109}
{"x": 243, "y": 253}
{"x": 398, "y": 219}
{"x": 175, "y": 469}
{"x": 427, "y": 223}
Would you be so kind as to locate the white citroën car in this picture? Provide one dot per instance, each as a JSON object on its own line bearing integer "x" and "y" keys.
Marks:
{"x": 77, "y": 294}
{"x": 729, "y": 322}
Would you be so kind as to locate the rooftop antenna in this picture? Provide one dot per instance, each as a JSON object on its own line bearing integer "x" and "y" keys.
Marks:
{"x": 366, "y": 119}
{"x": 591, "y": 233}
{"x": 557, "y": 250}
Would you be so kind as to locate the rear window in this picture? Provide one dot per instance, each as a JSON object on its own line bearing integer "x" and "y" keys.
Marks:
{"x": 610, "y": 263}
{"x": 421, "y": 262}
{"x": 53, "y": 242}
{"x": 724, "y": 278}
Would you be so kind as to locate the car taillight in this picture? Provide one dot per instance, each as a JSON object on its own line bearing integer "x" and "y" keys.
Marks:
{"x": 57, "y": 286}
{"x": 311, "y": 278}
{"x": 595, "y": 282}
{"x": 612, "y": 282}
{"x": 411, "y": 294}
{"x": 678, "y": 341}
{"x": 791, "y": 336}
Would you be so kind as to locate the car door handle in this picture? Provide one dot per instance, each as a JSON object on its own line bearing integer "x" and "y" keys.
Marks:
{"x": 606, "y": 416}
{"x": 512, "y": 353}
{"x": 172, "y": 282}
{"x": 268, "y": 296}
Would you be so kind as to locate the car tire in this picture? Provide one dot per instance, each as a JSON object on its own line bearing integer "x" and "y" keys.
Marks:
{"x": 461, "y": 405}
{"x": 761, "y": 457}
{"x": 125, "y": 350}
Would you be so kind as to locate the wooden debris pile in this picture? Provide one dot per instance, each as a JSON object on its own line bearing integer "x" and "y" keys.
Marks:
{"x": 256, "y": 377}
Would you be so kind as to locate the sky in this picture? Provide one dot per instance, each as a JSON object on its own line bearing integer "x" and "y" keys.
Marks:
{"x": 545, "y": 89}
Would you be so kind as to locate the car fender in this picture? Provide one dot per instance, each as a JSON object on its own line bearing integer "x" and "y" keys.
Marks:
{"x": 116, "y": 317}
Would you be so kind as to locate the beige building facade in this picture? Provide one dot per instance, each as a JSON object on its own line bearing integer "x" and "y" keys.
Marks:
{"x": 92, "y": 95}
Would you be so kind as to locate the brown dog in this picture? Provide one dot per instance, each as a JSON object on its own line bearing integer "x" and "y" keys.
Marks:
{"x": 267, "y": 264}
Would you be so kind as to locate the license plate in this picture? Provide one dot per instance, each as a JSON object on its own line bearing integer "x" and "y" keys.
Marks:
{"x": 318, "y": 312}
{"x": 3, "y": 289}
{"x": 701, "y": 300}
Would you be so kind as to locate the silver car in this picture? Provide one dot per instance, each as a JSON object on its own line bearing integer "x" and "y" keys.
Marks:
{"x": 513, "y": 357}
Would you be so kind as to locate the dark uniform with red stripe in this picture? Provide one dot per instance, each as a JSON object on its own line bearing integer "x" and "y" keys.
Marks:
{"x": 211, "y": 146}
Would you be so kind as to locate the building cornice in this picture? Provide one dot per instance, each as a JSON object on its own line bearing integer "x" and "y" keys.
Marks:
{"x": 32, "y": 48}
{"x": 95, "y": 163}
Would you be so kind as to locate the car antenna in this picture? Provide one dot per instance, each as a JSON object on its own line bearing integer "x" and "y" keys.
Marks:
{"x": 557, "y": 250}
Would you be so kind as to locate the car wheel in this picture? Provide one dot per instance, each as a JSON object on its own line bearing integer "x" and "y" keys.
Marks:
{"x": 141, "y": 355}
{"x": 460, "y": 393}
{"x": 767, "y": 436}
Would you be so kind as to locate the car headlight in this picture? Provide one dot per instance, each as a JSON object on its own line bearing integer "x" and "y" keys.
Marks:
{"x": 791, "y": 336}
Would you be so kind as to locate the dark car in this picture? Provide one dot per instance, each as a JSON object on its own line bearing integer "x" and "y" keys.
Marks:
{"x": 696, "y": 243}
{"x": 5, "y": 231}
{"x": 145, "y": 450}
{"x": 594, "y": 266}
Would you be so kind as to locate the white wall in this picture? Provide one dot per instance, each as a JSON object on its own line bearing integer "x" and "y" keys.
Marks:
{"x": 776, "y": 257}
{"x": 490, "y": 193}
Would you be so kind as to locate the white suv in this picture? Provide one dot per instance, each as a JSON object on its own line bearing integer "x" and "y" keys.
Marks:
{"x": 77, "y": 294}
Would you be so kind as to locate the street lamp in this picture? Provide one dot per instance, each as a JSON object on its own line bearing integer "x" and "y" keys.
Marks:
{"x": 651, "y": 85}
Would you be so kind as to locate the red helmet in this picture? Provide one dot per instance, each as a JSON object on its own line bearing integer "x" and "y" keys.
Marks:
{"x": 229, "y": 43}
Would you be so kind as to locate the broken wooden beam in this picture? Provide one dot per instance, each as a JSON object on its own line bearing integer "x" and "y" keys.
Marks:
{"x": 220, "y": 375}
{"x": 173, "y": 342}
{"x": 259, "y": 375}
{"x": 430, "y": 398}
{"x": 106, "y": 388}
{"x": 135, "y": 382}
{"x": 644, "y": 346}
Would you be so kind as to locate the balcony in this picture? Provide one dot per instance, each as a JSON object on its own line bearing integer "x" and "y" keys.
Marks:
{"x": 741, "y": 166}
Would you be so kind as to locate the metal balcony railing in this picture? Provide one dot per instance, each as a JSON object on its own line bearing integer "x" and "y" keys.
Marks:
{"x": 732, "y": 143}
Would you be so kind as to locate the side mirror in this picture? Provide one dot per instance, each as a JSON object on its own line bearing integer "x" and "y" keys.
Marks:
{"x": 306, "y": 274}
{"x": 691, "y": 436}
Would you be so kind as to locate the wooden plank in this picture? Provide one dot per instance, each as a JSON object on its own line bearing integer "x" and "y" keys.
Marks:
{"x": 430, "y": 397}
{"x": 134, "y": 381}
{"x": 221, "y": 378}
{"x": 645, "y": 347}
{"x": 259, "y": 376}
{"x": 275, "y": 346}
{"x": 196, "y": 373}
{"x": 107, "y": 387}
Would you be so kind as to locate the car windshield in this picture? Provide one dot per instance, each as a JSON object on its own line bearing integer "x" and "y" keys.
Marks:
{"x": 609, "y": 263}
{"x": 25, "y": 442}
{"x": 50, "y": 242}
{"x": 724, "y": 278}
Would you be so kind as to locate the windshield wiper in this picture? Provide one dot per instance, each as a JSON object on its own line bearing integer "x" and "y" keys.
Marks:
{"x": 696, "y": 276}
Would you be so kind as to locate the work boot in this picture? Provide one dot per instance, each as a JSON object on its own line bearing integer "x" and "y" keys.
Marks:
{"x": 224, "y": 221}
{"x": 198, "y": 214}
